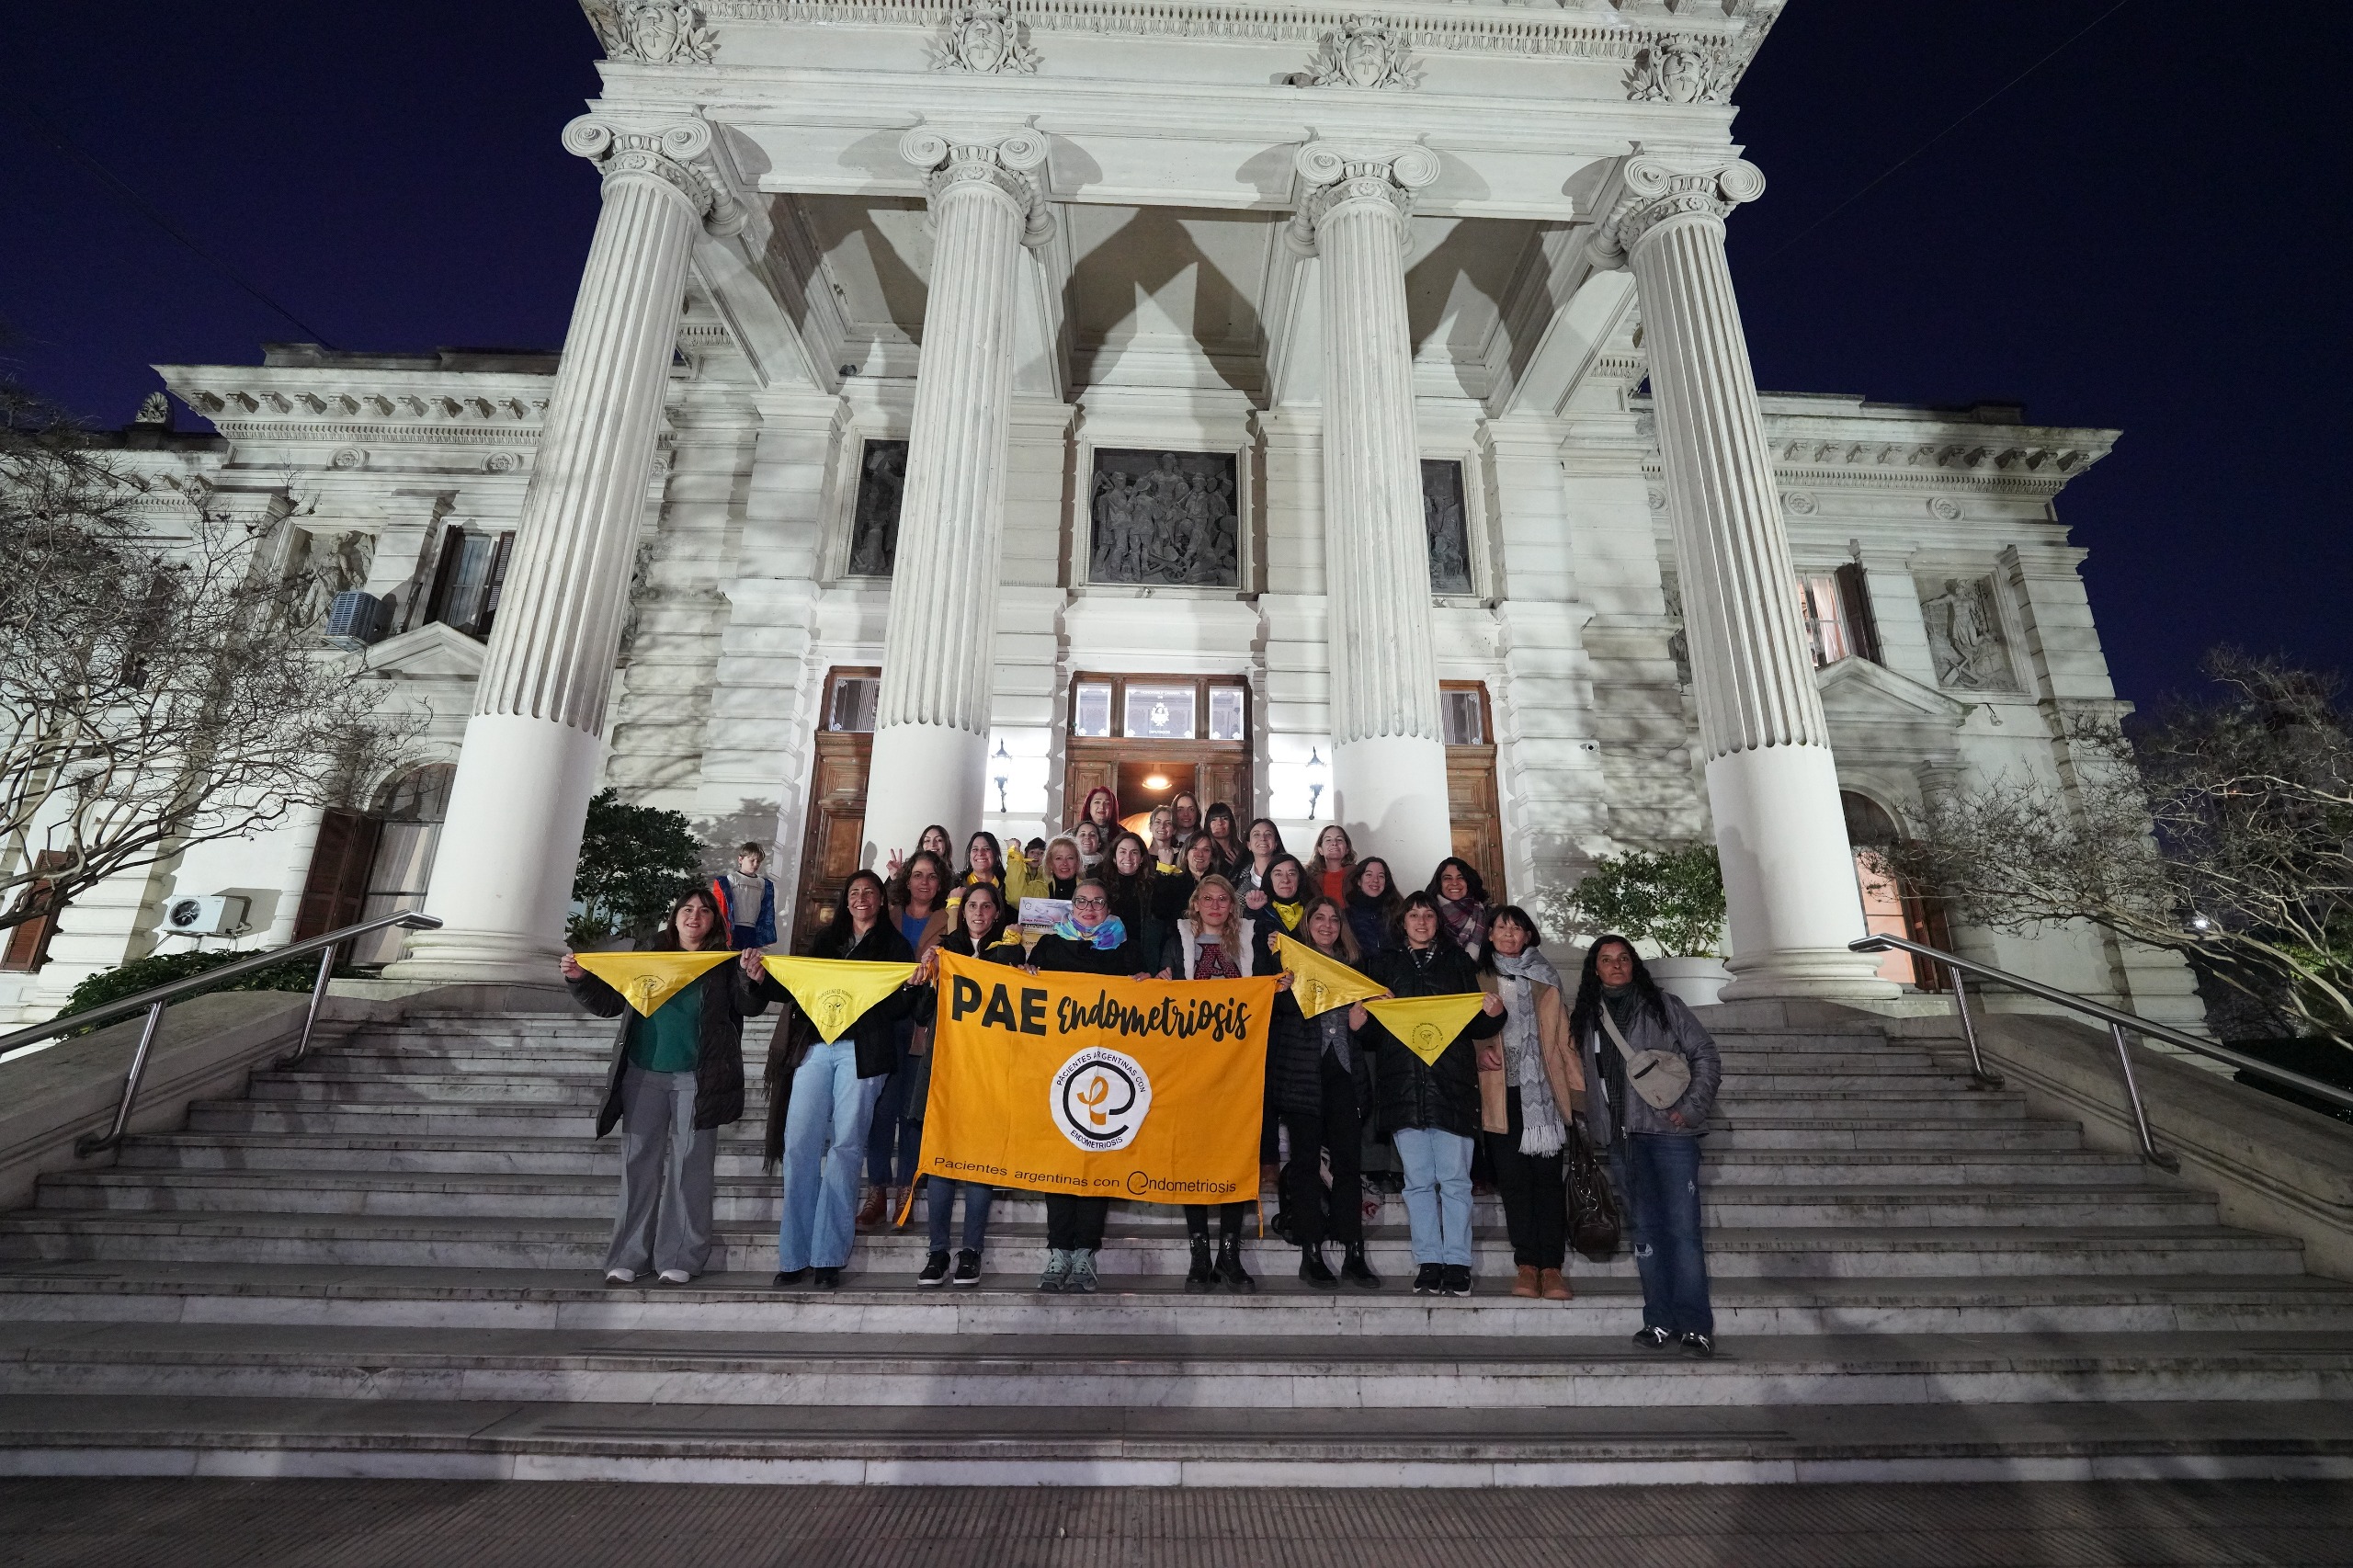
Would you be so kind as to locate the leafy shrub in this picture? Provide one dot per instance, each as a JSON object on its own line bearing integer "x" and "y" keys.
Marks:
{"x": 1674, "y": 899}
{"x": 162, "y": 969}
{"x": 633, "y": 861}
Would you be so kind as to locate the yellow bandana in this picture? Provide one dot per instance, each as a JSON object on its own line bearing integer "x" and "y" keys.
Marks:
{"x": 647, "y": 980}
{"x": 1317, "y": 984}
{"x": 836, "y": 993}
{"x": 1427, "y": 1024}
{"x": 1289, "y": 913}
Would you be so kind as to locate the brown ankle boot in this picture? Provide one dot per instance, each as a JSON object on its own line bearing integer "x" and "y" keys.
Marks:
{"x": 877, "y": 1204}
{"x": 1554, "y": 1285}
{"x": 1525, "y": 1284}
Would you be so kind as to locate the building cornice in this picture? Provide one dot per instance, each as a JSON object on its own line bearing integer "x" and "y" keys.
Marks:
{"x": 359, "y": 406}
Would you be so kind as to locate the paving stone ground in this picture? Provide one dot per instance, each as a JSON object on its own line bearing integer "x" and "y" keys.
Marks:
{"x": 365, "y": 1524}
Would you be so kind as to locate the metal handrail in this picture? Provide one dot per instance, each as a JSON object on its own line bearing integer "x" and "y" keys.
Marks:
{"x": 156, "y": 998}
{"x": 2118, "y": 1022}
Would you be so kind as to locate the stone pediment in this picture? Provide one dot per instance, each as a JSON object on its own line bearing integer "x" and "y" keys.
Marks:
{"x": 1861, "y": 691}
{"x": 433, "y": 651}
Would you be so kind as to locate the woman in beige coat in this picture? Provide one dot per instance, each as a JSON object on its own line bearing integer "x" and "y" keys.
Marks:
{"x": 1529, "y": 1085}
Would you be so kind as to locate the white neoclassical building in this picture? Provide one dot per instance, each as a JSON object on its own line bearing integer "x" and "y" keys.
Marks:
{"x": 1346, "y": 414}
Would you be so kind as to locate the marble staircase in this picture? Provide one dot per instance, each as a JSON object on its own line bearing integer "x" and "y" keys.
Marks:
{"x": 384, "y": 1263}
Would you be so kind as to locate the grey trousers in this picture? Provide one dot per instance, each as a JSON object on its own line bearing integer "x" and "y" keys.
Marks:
{"x": 666, "y": 1176}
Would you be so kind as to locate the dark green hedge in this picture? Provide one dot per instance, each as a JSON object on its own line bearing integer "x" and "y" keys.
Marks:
{"x": 141, "y": 974}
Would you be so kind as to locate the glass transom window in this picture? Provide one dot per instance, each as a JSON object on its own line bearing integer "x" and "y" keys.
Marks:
{"x": 1161, "y": 712}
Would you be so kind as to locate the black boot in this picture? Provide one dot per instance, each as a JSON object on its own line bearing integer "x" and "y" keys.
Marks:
{"x": 1357, "y": 1271}
{"x": 1201, "y": 1276}
{"x": 1313, "y": 1269}
{"x": 1229, "y": 1266}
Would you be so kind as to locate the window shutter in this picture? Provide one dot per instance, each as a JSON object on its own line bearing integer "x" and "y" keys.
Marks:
{"x": 445, "y": 569}
{"x": 498, "y": 580}
{"x": 1862, "y": 627}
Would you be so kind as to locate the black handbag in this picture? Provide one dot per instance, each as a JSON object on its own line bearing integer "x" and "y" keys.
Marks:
{"x": 1595, "y": 1225}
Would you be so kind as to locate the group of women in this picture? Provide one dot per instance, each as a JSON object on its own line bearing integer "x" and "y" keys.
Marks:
{"x": 1190, "y": 899}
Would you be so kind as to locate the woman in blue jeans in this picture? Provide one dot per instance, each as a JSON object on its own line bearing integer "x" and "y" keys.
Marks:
{"x": 820, "y": 1096}
{"x": 1653, "y": 1149}
{"x": 1430, "y": 1109}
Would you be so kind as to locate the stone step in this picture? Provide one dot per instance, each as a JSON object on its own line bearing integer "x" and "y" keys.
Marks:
{"x": 1024, "y": 1444}
{"x": 739, "y": 1156}
{"x": 1856, "y": 1252}
{"x": 1734, "y": 1130}
{"x": 755, "y": 1200}
{"x": 1006, "y": 1302}
{"x": 1436, "y": 1370}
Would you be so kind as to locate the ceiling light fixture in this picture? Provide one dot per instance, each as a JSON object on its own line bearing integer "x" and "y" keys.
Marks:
{"x": 1156, "y": 781}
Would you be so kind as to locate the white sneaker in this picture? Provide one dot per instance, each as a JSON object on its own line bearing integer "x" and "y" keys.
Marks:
{"x": 674, "y": 1277}
{"x": 621, "y": 1276}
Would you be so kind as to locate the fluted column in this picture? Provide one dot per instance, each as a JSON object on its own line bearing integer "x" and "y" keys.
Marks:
{"x": 534, "y": 747}
{"x": 939, "y": 649}
{"x": 1772, "y": 785}
{"x": 1387, "y": 751}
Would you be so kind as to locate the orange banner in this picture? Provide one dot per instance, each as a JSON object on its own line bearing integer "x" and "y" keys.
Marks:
{"x": 1142, "y": 1089}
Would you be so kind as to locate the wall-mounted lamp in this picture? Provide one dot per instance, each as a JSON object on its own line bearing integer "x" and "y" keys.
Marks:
{"x": 1155, "y": 782}
{"x": 1314, "y": 780}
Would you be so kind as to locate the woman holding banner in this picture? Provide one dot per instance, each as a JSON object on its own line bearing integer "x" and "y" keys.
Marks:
{"x": 1091, "y": 941}
{"x": 1529, "y": 1084}
{"x": 822, "y": 1097}
{"x": 1213, "y": 942}
{"x": 1429, "y": 1096}
{"x": 676, "y": 1079}
{"x": 1319, "y": 1083}
{"x": 981, "y": 932}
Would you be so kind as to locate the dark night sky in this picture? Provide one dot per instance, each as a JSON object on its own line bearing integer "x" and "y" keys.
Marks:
{"x": 2149, "y": 232}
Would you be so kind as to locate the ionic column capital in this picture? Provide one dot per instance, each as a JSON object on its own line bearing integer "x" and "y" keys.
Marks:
{"x": 1334, "y": 176}
{"x": 1004, "y": 162}
{"x": 1654, "y": 189}
{"x": 677, "y": 157}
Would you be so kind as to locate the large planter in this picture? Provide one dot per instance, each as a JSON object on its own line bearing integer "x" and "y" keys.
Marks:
{"x": 1700, "y": 981}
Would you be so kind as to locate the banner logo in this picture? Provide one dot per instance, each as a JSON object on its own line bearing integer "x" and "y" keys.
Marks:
{"x": 1099, "y": 1099}
{"x": 832, "y": 1011}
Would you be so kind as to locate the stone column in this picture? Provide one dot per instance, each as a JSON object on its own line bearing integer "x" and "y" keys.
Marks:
{"x": 502, "y": 876}
{"x": 1388, "y": 752}
{"x": 939, "y": 649}
{"x": 1772, "y": 785}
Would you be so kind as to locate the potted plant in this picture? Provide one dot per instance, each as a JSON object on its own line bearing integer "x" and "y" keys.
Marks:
{"x": 1672, "y": 901}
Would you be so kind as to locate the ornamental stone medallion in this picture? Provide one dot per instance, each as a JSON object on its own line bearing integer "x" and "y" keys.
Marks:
{"x": 1965, "y": 640}
{"x": 1683, "y": 71}
{"x": 659, "y": 32}
{"x": 1165, "y": 518}
{"x": 1364, "y": 52}
{"x": 984, "y": 36}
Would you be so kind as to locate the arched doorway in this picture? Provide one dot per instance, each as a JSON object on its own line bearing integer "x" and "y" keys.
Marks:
{"x": 408, "y": 832}
{"x": 1890, "y": 907}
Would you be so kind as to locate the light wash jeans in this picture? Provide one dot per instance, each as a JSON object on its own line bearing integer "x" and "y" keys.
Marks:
{"x": 824, "y": 1143}
{"x": 1438, "y": 1194}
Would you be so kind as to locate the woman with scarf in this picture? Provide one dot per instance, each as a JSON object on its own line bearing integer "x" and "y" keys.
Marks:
{"x": 895, "y": 1137}
{"x": 980, "y": 933}
{"x": 1130, "y": 879}
{"x": 822, "y": 1097}
{"x": 1335, "y": 864}
{"x": 1461, "y": 903}
{"x": 1276, "y": 907}
{"x": 677, "y": 1078}
{"x": 1621, "y": 1014}
{"x": 1089, "y": 941}
{"x": 1321, "y": 1083}
{"x": 1213, "y": 942}
{"x": 1430, "y": 1109}
{"x": 1260, "y": 846}
{"x": 1529, "y": 1085}
{"x": 1374, "y": 907}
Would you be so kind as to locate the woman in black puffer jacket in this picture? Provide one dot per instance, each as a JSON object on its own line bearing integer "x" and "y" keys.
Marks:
{"x": 1430, "y": 1109}
{"x": 1319, "y": 1083}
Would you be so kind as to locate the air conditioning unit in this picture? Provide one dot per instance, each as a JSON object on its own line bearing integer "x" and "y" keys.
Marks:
{"x": 221, "y": 914}
{"x": 355, "y": 619}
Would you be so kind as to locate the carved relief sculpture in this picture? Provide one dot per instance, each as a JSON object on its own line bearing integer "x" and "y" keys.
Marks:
{"x": 874, "y": 531}
{"x": 1965, "y": 638}
{"x": 1450, "y": 536}
{"x": 1365, "y": 52}
{"x": 1165, "y": 518}
{"x": 659, "y": 32}
{"x": 984, "y": 36}
{"x": 154, "y": 409}
{"x": 1683, "y": 71}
